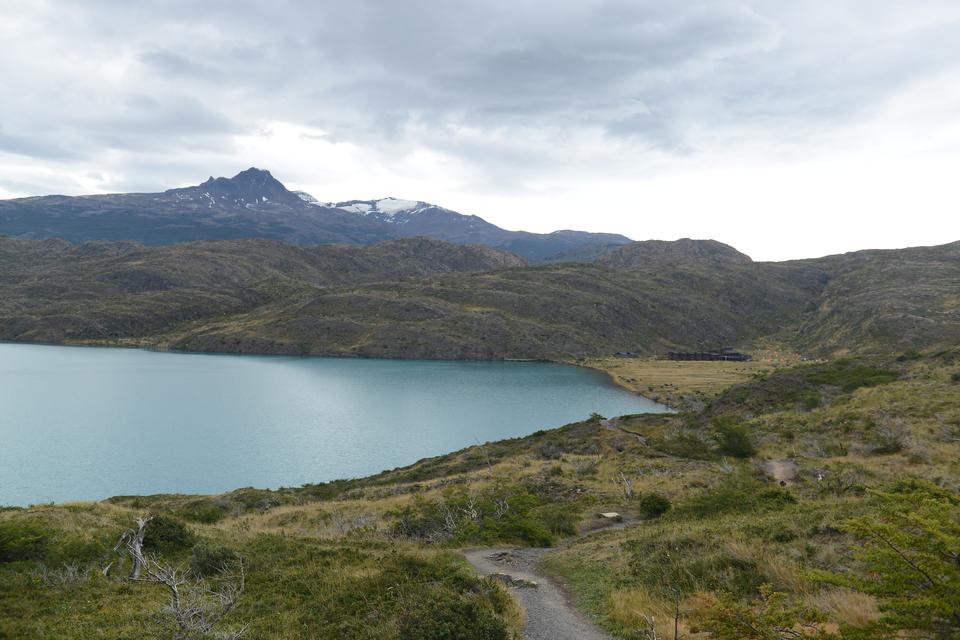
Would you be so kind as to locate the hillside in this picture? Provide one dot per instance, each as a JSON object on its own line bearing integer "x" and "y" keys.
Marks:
{"x": 254, "y": 204}
{"x": 429, "y": 299}
{"x": 906, "y": 298}
{"x": 765, "y": 509}
{"x": 411, "y": 298}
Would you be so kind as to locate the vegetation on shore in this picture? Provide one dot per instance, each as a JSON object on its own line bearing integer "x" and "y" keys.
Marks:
{"x": 764, "y": 512}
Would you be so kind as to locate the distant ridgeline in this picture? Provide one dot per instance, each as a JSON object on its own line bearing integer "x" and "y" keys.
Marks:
{"x": 255, "y": 204}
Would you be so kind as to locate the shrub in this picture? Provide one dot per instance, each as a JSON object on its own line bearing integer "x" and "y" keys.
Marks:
{"x": 653, "y": 505}
{"x": 434, "y": 600}
{"x": 559, "y": 519}
{"x": 909, "y": 549}
{"x": 955, "y": 377}
{"x": 733, "y": 439}
{"x": 26, "y": 539}
{"x": 445, "y": 614}
{"x": 203, "y": 511}
{"x": 165, "y": 535}
{"x": 208, "y": 558}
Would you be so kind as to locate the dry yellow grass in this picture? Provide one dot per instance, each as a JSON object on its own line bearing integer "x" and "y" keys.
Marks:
{"x": 666, "y": 377}
{"x": 847, "y": 606}
{"x": 635, "y": 608}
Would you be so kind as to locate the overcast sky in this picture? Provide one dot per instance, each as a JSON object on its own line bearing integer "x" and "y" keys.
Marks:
{"x": 785, "y": 128}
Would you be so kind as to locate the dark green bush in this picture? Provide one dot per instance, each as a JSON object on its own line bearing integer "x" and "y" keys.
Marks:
{"x": 435, "y": 600}
{"x": 26, "y": 539}
{"x": 77, "y": 549}
{"x": 208, "y": 558}
{"x": 955, "y": 377}
{"x": 559, "y": 519}
{"x": 166, "y": 535}
{"x": 203, "y": 511}
{"x": 653, "y": 505}
{"x": 733, "y": 439}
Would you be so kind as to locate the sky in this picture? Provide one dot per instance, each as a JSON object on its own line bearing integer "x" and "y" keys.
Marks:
{"x": 787, "y": 129}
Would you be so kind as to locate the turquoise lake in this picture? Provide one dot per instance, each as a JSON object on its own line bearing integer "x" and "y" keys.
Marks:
{"x": 88, "y": 423}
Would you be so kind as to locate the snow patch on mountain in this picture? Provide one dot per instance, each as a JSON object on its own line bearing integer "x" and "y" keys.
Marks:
{"x": 306, "y": 197}
{"x": 394, "y": 205}
{"x": 394, "y": 210}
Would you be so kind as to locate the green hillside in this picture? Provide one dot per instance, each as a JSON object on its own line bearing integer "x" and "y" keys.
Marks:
{"x": 429, "y": 299}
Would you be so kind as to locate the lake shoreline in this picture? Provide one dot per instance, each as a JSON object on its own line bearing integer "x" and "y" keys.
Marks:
{"x": 614, "y": 379}
{"x": 262, "y": 420}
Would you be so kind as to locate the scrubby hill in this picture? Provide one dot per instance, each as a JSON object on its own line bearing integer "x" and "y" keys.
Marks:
{"x": 430, "y": 299}
{"x": 900, "y": 299}
{"x": 411, "y": 298}
{"x": 55, "y": 291}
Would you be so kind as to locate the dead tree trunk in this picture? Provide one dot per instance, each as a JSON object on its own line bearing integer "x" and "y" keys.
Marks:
{"x": 194, "y": 608}
{"x": 132, "y": 540}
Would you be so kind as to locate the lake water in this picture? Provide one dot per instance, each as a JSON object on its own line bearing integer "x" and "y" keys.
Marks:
{"x": 89, "y": 423}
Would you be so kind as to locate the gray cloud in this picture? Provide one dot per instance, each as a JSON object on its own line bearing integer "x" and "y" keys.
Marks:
{"x": 171, "y": 83}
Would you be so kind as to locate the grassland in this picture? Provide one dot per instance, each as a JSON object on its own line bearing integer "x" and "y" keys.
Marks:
{"x": 688, "y": 384}
{"x": 376, "y": 556}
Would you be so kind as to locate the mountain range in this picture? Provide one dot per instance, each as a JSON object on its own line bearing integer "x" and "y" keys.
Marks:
{"x": 255, "y": 204}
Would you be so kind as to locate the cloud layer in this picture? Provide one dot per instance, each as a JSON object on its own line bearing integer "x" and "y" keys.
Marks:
{"x": 787, "y": 129}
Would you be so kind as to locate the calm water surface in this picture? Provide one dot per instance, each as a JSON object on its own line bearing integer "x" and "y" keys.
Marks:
{"x": 85, "y": 424}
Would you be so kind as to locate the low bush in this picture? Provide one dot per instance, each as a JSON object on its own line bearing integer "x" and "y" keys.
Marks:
{"x": 559, "y": 519}
{"x": 166, "y": 535}
{"x": 203, "y": 511}
{"x": 24, "y": 539}
{"x": 208, "y": 558}
{"x": 653, "y": 505}
{"x": 733, "y": 439}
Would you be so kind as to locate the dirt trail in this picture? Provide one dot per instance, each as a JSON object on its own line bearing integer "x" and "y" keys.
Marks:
{"x": 549, "y": 614}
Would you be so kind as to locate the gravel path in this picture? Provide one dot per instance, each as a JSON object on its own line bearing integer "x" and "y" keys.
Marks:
{"x": 549, "y": 614}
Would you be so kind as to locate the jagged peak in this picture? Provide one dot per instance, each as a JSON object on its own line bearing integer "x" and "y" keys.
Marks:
{"x": 250, "y": 187}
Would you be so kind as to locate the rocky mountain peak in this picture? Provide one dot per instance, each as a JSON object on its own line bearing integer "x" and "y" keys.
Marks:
{"x": 251, "y": 188}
